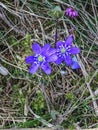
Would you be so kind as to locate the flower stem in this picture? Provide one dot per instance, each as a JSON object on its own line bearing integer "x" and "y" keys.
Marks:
{"x": 56, "y": 31}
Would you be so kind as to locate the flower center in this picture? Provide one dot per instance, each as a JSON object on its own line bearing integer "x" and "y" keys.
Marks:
{"x": 40, "y": 58}
{"x": 63, "y": 50}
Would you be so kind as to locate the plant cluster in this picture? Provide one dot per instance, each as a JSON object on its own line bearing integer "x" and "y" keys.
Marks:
{"x": 64, "y": 50}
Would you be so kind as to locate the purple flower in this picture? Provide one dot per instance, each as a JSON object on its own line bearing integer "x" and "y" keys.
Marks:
{"x": 41, "y": 58}
{"x": 71, "y": 12}
{"x": 65, "y": 50}
{"x": 75, "y": 64}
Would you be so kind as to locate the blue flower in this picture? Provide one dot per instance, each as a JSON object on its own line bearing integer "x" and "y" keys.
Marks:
{"x": 41, "y": 58}
{"x": 65, "y": 50}
{"x": 75, "y": 64}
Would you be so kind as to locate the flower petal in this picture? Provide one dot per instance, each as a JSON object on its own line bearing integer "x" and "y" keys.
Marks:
{"x": 29, "y": 59}
{"x": 68, "y": 9}
{"x": 46, "y": 68}
{"x": 71, "y": 12}
{"x": 45, "y": 48}
{"x": 36, "y": 48}
{"x": 52, "y": 58}
{"x": 68, "y": 60}
{"x": 74, "y": 50}
{"x": 33, "y": 68}
{"x": 49, "y": 52}
{"x": 59, "y": 43}
{"x": 74, "y": 59}
{"x": 59, "y": 60}
{"x": 69, "y": 40}
{"x": 75, "y": 65}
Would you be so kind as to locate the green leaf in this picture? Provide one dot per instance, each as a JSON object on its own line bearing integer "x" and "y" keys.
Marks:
{"x": 57, "y": 8}
{"x": 56, "y": 12}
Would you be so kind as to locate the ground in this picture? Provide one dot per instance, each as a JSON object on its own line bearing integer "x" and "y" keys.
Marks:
{"x": 67, "y": 98}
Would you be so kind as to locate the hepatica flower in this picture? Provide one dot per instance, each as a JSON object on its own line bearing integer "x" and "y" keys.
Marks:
{"x": 75, "y": 64}
{"x": 41, "y": 58}
{"x": 71, "y": 12}
{"x": 65, "y": 50}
